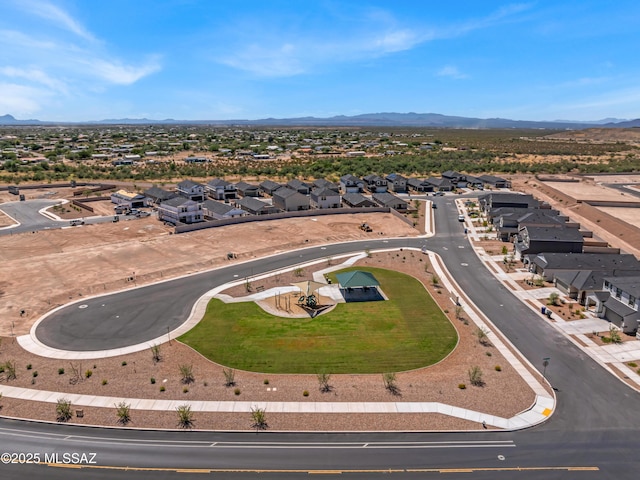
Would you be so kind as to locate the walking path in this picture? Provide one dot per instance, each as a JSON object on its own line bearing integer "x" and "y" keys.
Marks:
{"x": 539, "y": 411}
{"x": 612, "y": 357}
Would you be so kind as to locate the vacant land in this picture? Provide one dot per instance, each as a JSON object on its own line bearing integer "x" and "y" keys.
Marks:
{"x": 504, "y": 393}
{"x": 62, "y": 265}
{"x": 405, "y": 332}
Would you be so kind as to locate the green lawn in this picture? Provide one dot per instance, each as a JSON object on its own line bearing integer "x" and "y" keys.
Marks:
{"x": 407, "y": 331}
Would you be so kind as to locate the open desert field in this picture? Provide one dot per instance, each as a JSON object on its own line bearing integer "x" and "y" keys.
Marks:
{"x": 589, "y": 191}
{"x": 62, "y": 265}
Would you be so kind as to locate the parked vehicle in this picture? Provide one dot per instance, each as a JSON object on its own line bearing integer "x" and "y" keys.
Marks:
{"x": 75, "y": 223}
{"x": 461, "y": 218}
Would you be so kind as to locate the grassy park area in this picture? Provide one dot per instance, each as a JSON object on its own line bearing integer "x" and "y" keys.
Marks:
{"x": 408, "y": 331}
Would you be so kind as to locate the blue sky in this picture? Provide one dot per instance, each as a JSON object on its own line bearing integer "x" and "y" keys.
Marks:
{"x": 76, "y": 60}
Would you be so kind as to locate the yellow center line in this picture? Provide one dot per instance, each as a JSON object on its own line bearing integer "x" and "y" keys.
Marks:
{"x": 330, "y": 472}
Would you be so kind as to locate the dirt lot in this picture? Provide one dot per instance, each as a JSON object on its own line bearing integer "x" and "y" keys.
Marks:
{"x": 64, "y": 264}
{"x": 504, "y": 392}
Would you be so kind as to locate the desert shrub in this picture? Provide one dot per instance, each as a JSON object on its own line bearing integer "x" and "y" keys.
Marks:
{"x": 632, "y": 364}
{"x": 123, "y": 411}
{"x": 259, "y": 418}
{"x": 266, "y": 381}
{"x": 185, "y": 416}
{"x": 498, "y": 368}
{"x": 153, "y": 381}
{"x": 61, "y": 371}
{"x": 305, "y": 393}
{"x": 63, "y": 410}
{"x": 35, "y": 373}
{"x": 475, "y": 376}
{"x": 88, "y": 373}
{"x": 124, "y": 363}
{"x": 236, "y": 391}
{"x": 29, "y": 366}
{"x": 186, "y": 372}
{"x": 162, "y": 388}
{"x": 229, "y": 377}
{"x": 185, "y": 390}
{"x": 462, "y": 386}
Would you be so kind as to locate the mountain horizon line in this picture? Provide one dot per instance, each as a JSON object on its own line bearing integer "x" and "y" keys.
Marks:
{"x": 383, "y": 119}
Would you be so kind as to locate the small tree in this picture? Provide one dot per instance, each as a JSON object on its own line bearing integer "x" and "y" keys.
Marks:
{"x": 259, "y": 418}
{"x": 229, "y": 377}
{"x": 390, "y": 384}
{"x": 63, "y": 410}
{"x": 614, "y": 334}
{"x": 553, "y": 298}
{"x": 186, "y": 371}
{"x": 123, "y": 410}
{"x": 323, "y": 380}
{"x": 435, "y": 280}
{"x": 298, "y": 272}
{"x": 504, "y": 250}
{"x": 475, "y": 376}
{"x": 156, "y": 356}
{"x": 481, "y": 333}
{"x": 459, "y": 311}
{"x": 185, "y": 416}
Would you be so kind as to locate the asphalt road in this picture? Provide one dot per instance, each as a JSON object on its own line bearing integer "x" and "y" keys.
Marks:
{"x": 595, "y": 427}
{"x": 28, "y": 214}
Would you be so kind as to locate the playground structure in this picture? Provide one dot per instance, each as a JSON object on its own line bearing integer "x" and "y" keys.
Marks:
{"x": 306, "y": 298}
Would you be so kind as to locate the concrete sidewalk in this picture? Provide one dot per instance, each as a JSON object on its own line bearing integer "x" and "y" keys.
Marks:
{"x": 542, "y": 407}
{"x": 611, "y": 357}
{"x": 537, "y": 413}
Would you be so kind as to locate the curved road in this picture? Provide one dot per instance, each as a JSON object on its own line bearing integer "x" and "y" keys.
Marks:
{"x": 595, "y": 426}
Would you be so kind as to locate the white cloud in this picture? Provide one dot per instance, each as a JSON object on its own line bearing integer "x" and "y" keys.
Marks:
{"x": 452, "y": 72}
{"x": 21, "y": 100}
{"x": 279, "y": 52}
{"x": 57, "y": 16}
{"x": 120, "y": 74}
{"x": 34, "y": 75}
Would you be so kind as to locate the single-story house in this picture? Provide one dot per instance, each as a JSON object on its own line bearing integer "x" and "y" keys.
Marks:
{"x": 490, "y": 201}
{"x": 247, "y": 189}
{"x": 419, "y": 185}
{"x": 534, "y": 239}
{"x": 218, "y": 211}
{"x": 255, "y": 206}
{"x": 440, "y": 184}
{"x": 357, "y": 200}
{"x": 387, "y": 199}
{"x": 324, "y": 183}
{"x": 158, "y": 195}
{"x": 129, "y": 199}
{"x": 495, "y": 182}
{"x": 299, "y": 186}
{"x": 269, "y": 186}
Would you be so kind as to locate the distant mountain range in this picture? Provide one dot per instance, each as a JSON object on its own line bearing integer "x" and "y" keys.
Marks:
{"x": 433, "y": 120}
